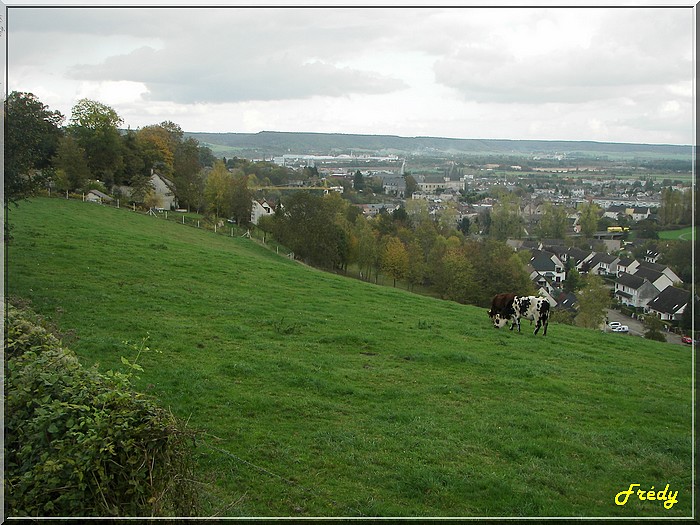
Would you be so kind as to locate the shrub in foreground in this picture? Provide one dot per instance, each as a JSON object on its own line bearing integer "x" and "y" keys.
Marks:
{"x": 82, "y": 443}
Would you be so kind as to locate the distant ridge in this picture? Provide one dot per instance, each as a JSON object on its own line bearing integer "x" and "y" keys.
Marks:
{"x": 273, "y": 143}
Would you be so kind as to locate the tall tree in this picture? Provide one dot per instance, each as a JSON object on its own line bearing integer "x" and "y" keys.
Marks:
{"x": 553, "y": 223}
{"x": 506, "y": 221}
{"x": 593, "y": 300}
{"x": 186, "y": 172}
{"x": 218, "y": 190}
{"x": 395, "y": 259}
{"x": 71, "y": 164}
{"x": 95, "y": 127}
{"x": 589, "y": 219}
{"x": 241, "y": 200}
{"x": 32, "y": 133}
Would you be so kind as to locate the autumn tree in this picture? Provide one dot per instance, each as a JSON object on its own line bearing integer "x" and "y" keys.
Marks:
{"x": 218, "y": 191}
{"x": 395, "y": 259}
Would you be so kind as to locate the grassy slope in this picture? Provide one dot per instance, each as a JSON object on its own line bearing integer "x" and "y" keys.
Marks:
{"x": 348, "y": 399}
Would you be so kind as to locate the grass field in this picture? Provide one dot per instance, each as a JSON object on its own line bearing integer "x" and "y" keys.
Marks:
{"x": 320, "y": 395}
{"x": 684, "y": 234}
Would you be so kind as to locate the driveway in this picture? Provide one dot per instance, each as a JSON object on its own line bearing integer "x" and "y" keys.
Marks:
{"x": 636, "y": 327}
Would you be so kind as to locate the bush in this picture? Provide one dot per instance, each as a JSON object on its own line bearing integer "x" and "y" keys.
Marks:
{"x": 81, "y": 443}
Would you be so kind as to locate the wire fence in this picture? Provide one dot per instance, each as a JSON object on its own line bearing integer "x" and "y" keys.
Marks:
{"x": 184, "y": 217}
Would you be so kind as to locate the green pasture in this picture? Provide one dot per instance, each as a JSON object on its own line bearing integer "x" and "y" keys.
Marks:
{"x": 319, "y": 395}
{"x": 684, "y": 234}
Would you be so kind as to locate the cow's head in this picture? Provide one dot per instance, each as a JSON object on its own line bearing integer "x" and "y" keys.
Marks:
{"x": 499, "y": 321}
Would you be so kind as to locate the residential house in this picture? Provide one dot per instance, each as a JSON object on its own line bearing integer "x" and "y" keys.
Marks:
{"x": 548, "y": 265}
{"x": 626, "y": 265}
{"x": 566, "y": 300}
{"x": 614, "y": 211}
{"x": 658, "y": 279}
{"x": 261, "y": 208}
{"x": 661, "y": 268}
{"x": 670, "y": 304}
{"x": 577, "y": 256}
{"x": 634, "y": 290}
{"x": 600, "y": 264}
{"x": 98, "y": 196}
{"x": 652, "y": 255}
{"x": 165, "y": 189}
{"x": 638, "y": 213}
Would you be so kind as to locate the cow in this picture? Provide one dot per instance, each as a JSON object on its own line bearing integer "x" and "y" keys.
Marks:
{"x": 530, "y": 307}
{"x": 501, "y": 303}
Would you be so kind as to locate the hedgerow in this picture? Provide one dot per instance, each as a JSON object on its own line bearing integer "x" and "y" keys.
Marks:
{"x": 82, "y": 443}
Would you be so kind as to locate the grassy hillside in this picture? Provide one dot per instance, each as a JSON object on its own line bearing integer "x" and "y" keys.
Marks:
{"x": 325, "y": 396}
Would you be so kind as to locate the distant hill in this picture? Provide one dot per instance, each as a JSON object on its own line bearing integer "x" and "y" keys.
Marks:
{"x": 273, "y": 143}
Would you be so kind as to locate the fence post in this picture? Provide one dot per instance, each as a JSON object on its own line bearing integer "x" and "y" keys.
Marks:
{"x": 166, "y": 215}
{"x": 183, "y": 219}
{"x": 197, "y": 224}
{"x": 117, "y": 203}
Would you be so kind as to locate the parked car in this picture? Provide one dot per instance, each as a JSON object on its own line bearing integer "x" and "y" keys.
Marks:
{"x": 687, "y": 340}
{"x": 614, "y": 324}
{"x": 621, "y": 328}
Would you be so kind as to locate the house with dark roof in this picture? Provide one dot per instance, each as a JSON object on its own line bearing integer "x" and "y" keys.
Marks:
{"x": 548, "y": 265}
{"x": 633, "y": 290}
{"x": 600, "y": 264}
{"x": 661, "y": 268}
{"x": 652, "y": 255}
{"x": 658, "y": 279}
{"x": 670, "y": 304}
{"x": 577, "y": 256}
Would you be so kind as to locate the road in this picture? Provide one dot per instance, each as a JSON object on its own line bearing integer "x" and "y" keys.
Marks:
{"x": 636, "y": 327}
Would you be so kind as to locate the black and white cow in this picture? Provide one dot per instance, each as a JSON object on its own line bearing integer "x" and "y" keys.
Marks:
{"x": 530, "y": 307}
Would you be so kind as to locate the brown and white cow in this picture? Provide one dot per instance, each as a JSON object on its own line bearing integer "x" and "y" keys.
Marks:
{"x": 530, "y": 307}
{"x": 501, "y": 303}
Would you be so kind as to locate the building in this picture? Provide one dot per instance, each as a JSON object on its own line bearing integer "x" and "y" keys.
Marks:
{"x": 670, "y": 304}
{"x": 261, "y": 208}
{"x": 633, "y": 290}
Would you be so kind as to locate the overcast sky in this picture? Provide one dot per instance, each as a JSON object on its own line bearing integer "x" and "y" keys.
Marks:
{"x": 575, "y": 73}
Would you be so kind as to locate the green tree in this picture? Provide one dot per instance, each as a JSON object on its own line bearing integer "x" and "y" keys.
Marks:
{"x": 593, "y": 301}
{"x": 241, "y": 200}
{"x": 95, "y": 126}
{"x": 359, "y": 181}
{"x": 506, "y": 221}
{"x": 553, "y": 223}
{"x": 32, "y": 133}
{"x": 71, "y": 161}
{"x": 395, "y": 259}
{"x": 653, "y": 327}
{"x": 411, "y": 185}
{"x": 589, "y": 219}
{"x": 308, "y": 225}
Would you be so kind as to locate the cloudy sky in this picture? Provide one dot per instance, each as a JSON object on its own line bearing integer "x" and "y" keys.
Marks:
{"x": 620, "y": 74}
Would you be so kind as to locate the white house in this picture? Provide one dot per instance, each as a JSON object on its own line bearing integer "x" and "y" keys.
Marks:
{"x": 165, "y": 190}
{"x": 634, "y": 291}
{"x": 261, "y": 208}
